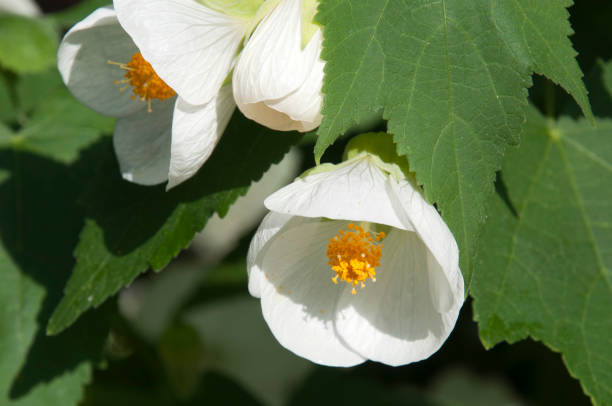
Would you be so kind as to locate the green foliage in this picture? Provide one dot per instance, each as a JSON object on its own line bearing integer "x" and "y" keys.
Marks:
{"x": 26, "y": 44}
{"x": 7, "y": 109}
{"x": 39, "y": 224}
{"x": 131, "y": 228}
{"x": 450, "y": 78}
{"x": 56, "y": 125}
{"x": 544, "y": 262}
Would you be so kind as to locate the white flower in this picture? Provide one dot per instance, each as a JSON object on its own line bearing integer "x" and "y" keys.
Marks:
{"x": 353, "y": 264}
{"x": 192, "y": 45}
{"x": 26, "y": 8}
{"x": 158, "y": 136}
{"x": 278, "y": 77}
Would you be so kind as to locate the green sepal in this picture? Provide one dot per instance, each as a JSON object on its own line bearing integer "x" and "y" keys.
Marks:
{"x": 380, "y": 145}
{"x": 379, "y": 148}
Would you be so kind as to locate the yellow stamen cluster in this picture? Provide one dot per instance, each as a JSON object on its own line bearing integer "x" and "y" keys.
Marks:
{"x": 147, "y": 85}
{"x": 354, "y": 255}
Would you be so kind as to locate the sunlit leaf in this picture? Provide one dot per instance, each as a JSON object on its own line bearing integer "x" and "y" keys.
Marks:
{"x": 544, "y": 267}
{"x": 450, "y": 77}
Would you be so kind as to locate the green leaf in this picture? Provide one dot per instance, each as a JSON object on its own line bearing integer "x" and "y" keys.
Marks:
{"x": 450, "y": 78}
{"x": 40, "y": 219}
{"x": 33, "y": 89}
{"x": 61, "y": 127}
{"x": 600, "y": 88}
{"x": 54, "y": 124}
{"x": 544, "y": 267}
{"x": 7, "y": 109}
{"x": 26, "y": 44}
{"x": 39, "y": 225}
{"x": 537, "y": 33}
{"x": 131, "y": 228}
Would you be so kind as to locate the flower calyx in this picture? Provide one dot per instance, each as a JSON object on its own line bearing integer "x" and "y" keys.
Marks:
{"x": 379, "y": 148}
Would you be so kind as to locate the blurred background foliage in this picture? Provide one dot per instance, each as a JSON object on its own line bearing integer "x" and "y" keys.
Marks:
{"x": 192, "y": 334}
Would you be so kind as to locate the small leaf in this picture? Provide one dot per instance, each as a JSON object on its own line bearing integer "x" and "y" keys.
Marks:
{"x": 26, "y": 44}
{"x": 61, "y": 127}
{"x": 546, "y": 271}
{"x": 131, "y": 228}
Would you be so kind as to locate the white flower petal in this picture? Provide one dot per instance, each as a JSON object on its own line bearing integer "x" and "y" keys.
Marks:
{"x": 353, "y": 191}
{"x": 270, "y": 225}
{"x": 443, "y": 262}
{"x": 303, "y": 106}
{"x": 83, "y": 58}
{"x": 26, "y": 8}
{"x": 191, "y": 47}
{"x": 142, "y": 144}
{"x": 298, "y": 298}
{"x": 270, "y": 65}
{"x": 196, "y": 130}
{"x": 276, "y": 83}
{"x": 393, "y": 320}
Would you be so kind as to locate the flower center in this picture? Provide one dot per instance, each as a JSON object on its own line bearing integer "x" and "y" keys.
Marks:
{"x": 354, "y": 255}
{"x": 145, "y": 82}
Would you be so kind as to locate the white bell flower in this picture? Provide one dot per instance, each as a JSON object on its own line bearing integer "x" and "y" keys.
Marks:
{"x": 278, "y": 77}
{"x": 158, "y": 136}
{"x": 352, "y": 264}
{"x": 192, "y": 45}
{"x": 26, "y": 8}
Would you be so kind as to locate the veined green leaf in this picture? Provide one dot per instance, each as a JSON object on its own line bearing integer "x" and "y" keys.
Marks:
{"x": 544, "y": 265}
{"x": 451, "y": 79}
{"x": 131, "y": 228}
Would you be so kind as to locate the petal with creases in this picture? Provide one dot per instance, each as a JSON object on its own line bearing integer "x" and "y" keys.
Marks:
{"x": 393, "y": 320}
{"x": 271, "y": 64}
{"x": 196, "y": 130}
{"x": 83, "y": 58}
{"x": 355, "y": 190}
{"x": 276, "y": 83}
{"x": 298, "y": 298}
{"x": 142, "y": 144}
{"x": 443, "y": 261}
{"x": 303, "y": 106}
{"x": 191, "y": 47}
